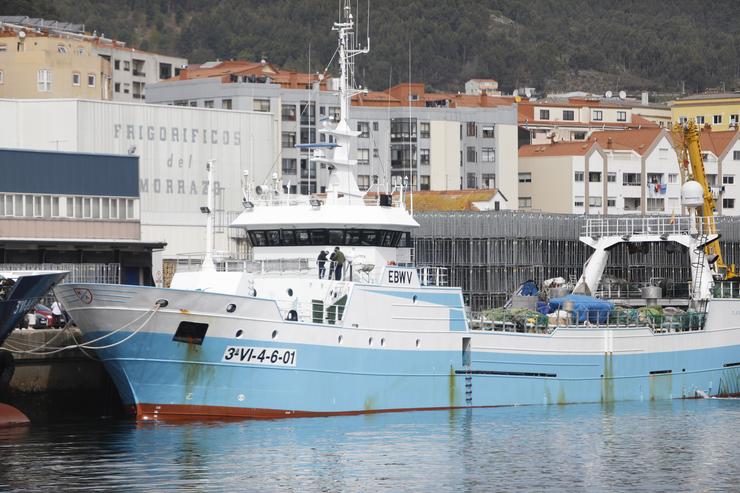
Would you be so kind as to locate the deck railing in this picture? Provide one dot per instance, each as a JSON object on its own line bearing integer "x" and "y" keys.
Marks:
{"x": 649, "y": 225}
{"x": 542, "y": 324}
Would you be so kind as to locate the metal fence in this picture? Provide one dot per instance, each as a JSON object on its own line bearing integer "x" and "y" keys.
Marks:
{"x": 93, "y": 273}
{"x": 489, "y": 254}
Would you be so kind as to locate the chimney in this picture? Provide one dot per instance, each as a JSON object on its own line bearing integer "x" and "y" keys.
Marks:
{"x": 644, "y": 97}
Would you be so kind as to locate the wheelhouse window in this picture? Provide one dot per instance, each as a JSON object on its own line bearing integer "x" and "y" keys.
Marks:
{"x": 323, "y": 237}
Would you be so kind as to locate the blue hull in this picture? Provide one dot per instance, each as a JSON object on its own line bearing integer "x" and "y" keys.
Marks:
{"x": 159, "y": 377}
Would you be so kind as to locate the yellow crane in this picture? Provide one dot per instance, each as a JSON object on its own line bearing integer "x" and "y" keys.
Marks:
{"x": 686, "y": 141}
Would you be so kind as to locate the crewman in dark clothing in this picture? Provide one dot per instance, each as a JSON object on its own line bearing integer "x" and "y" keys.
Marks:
{"x": 338, "y": 258}
{"x": 321, "y": 261}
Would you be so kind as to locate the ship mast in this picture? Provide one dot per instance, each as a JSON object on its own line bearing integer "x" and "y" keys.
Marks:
{"x": 341, "y": 179}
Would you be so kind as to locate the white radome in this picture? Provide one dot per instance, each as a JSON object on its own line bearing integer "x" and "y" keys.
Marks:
{"x": 692, "y": 194}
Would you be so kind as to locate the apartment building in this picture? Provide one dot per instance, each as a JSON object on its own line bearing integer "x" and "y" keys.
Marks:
{"x": 35, "y": 65}
{"x": 435, "y": 141}
{"x": 576, "y": 118}
{"x": 42, "y": 59}
{"x": 721, "y": 156}
{"x": 612, "y": 172}
{"x": 721, "y": 110}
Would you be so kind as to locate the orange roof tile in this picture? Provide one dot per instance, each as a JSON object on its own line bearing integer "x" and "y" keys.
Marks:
{"x": 716, "y": 142}
{"x": 556, "y": 149}
{"x": 638, "y": 140}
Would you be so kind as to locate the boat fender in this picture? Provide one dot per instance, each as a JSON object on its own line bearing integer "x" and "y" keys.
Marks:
{"x": 7, "y": 369}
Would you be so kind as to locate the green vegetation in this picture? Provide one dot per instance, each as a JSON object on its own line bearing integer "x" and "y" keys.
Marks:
{"x": 552, "y": 44}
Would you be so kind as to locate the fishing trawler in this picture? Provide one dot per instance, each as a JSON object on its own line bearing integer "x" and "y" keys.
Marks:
{"x": 284, "y": 335}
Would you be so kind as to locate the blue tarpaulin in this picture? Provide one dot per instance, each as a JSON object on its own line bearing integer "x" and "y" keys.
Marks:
{"x": 585, "y": 307}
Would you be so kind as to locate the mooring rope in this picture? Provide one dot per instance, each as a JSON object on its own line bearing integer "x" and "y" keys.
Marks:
{"x": 86, "y": 345}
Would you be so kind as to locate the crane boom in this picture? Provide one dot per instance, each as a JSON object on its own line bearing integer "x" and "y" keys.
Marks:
{"x": 692, "y": 163}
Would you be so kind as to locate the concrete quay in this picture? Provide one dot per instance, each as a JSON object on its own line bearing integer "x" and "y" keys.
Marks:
{"x": 61, "y": 385}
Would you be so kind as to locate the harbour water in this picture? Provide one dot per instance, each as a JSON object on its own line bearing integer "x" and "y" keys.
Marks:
{"x": 681, "y": 445}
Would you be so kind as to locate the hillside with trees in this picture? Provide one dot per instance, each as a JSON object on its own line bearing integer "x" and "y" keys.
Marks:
{"x": 549, "y": 44}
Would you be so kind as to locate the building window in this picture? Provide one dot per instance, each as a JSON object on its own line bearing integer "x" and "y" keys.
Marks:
{"x": 80, "y": 51}
{"x": 402, "y": 129}
{"x": 728, "y": 203}
{"x": 165, "y": 70}
{"x": 621, "y": 116}
{"x": 728, "y": 179}
{"x": 262, "y": 105}
{"x": 594, "y": 176}
{"x": 127, "y": 89}
{"x": 682, "y": 119}
{"x": 472, "y": 129}
{"x": 363, "y": 182}
{"x": 736, "y": 155}
{"x": 488, "y": 154}
{"x": 288, "y": 140}
{"x": 363, "y": 156}
{"x": 208, "y": 103}
{"x": 334, "y": 112}
{"x": 611, "y": 177}
{"x": 472, "y": 181}
{"x": 594, "y": 202}
{"x": 471, "y": 154}
{"x": 717, "y": 119}
{"x": 544, "y": 114}
{"x": 117, "y": 64}
{"x": 2, "y": 77}
{"x": 611, "y": 202}
{"x": 598, "y": 115}
{"x": 90, "y": 80}
{"x": 734, "y": 119}
{"x": 364, "y": 129}
{"x": 424, "y": 182}
{"x": 578, "y": 176}
{"x": 700, "y": 120}
{"x": 226, "y": 104}
{"x": 290, "y": 166}
{"x": 43, "y": 80}
{"x": 579, "y": 135}
{"x": 578, "y": 202}
{"x": 308, "y": 135}
{"x": 654, "y": 178}
{"x": 672, "y": 177}
{"x": 192, "y": 104}
{"x": 488, "y": 180}
{"x": 127, "y": 66}
{"x": 62, "y": 49}
{"x": 117, "y": 87}
{"x": 525, "y": 177}
{"x": 569, "y": 115}
{"x": 376, "y": 153}
{"x": 631, "y": 179}
{"x": 424, "y": 156}
{"x": 375, "y": 126}
{"x": 288, "y": 112}
{"x": 424, "y": 130}
{"x": 488, "y": 131}
{"x": 632, "y": 204}
{"x": 3, "y": 47}
{"x": 76, "y": 79}
{"x": 308, "y": 113}
{"x": 525, "y": 202}
{"x": 655, "y": 205}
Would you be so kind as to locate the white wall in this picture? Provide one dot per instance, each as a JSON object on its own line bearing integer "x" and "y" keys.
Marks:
{"x": 444, "y": 155}
{"x": 507, "y": 162}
